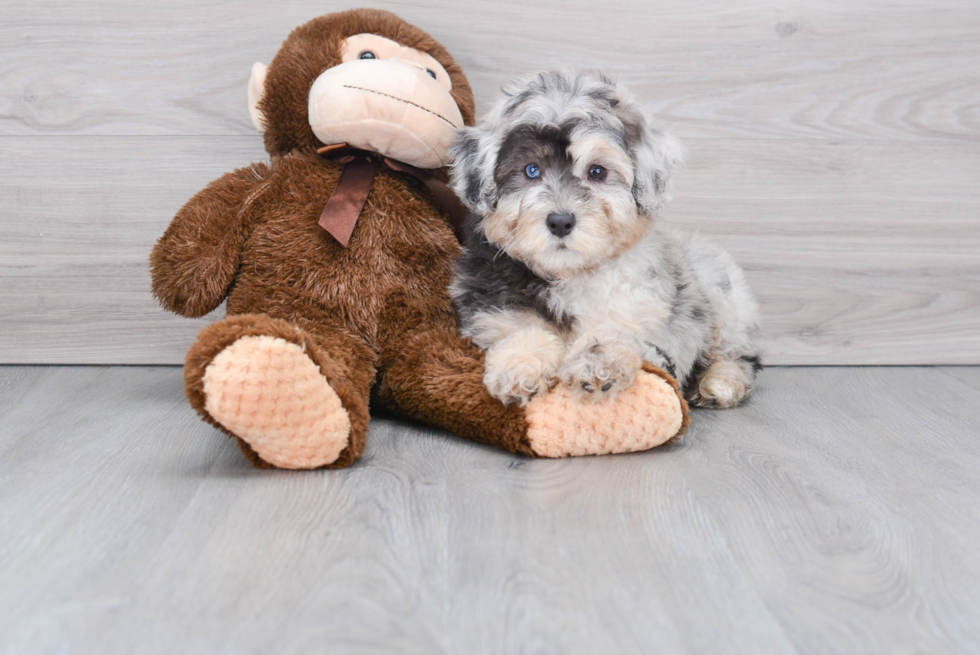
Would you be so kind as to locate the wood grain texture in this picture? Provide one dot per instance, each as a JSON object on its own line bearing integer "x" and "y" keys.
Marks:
{"x": 968, "y": 375}
{"x": 832, "y": 147}
{"x": 76, "y": 285}
{"x": 770, "y": 69}
{"x": 836, "y": 513}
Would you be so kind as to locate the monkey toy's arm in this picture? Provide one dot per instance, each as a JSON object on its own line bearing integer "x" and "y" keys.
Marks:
{"x": 195, "y": 261}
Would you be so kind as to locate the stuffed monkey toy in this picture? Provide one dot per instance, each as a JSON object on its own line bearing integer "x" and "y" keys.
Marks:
{"x": 335, "y": 259}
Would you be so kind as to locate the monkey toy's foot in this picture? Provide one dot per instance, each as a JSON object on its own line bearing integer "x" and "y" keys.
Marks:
{"x": 650, "y": 412}
{"x": 270, "y": 394}
{"x": 293, "y": 398}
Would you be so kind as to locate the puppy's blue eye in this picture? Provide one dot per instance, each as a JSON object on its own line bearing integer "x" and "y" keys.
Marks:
{"x": 431, "y": 73}
{"x": 532, "y": 171}
{"x": 367, "y": 54}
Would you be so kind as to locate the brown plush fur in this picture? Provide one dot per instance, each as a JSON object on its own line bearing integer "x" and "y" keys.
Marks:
{"x": 377, "y": 309}
{"x": 375, "y": 317}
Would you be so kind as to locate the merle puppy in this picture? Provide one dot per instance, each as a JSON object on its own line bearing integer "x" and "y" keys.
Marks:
{"x": 567, "y": 275}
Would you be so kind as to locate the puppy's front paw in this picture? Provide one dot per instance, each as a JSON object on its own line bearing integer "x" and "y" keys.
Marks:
{"x": 519, "y": 367}
{"x": 600, "y": 369}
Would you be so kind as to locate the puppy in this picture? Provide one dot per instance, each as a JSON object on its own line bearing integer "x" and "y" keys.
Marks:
{"x": 566, "y": 274}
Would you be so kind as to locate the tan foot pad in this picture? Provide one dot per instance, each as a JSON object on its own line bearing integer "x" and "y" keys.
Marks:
{"x": 645, "y": 415}
{"x": 267, "y": 391}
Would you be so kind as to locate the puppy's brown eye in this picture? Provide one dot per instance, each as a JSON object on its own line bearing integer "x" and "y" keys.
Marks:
{"x": 597, "y": 173}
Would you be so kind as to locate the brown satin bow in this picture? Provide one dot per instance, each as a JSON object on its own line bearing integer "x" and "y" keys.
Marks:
{"x": 344, "y": 207}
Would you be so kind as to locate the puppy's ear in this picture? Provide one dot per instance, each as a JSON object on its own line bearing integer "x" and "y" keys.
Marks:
{"x": 474, "y": 157}
{"x": 656, "y": 155}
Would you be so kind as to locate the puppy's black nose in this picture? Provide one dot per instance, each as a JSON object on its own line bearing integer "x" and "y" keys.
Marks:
{"x": 561, "y": 224}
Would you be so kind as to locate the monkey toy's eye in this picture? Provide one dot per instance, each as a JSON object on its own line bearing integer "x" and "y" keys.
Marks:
{"x": 532, "y": 171}
{"x": 431, "y": 73}
{"x": 367, "y": 54}
{"x": 597, "y": 173}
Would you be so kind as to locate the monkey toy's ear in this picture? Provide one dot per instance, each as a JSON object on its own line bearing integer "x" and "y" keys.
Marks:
{"x": 256, "y": 88}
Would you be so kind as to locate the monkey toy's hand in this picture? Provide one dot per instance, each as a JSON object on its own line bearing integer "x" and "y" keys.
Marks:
{"x": 195, "y": 261}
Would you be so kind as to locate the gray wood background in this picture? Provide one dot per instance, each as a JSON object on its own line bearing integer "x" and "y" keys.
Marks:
{"x": 834, "y": 148}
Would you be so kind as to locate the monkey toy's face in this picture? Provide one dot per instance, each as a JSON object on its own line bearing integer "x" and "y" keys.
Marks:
{"x": 371, "y": 92}
{"x": 387, "y": 98}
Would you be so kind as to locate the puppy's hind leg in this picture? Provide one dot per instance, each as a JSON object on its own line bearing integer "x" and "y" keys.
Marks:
{"x": 728, "y": 368}
{"x": 724, "y": 383}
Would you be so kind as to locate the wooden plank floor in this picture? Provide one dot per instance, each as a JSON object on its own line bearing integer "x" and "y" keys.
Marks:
{"x": 838, "y": 512}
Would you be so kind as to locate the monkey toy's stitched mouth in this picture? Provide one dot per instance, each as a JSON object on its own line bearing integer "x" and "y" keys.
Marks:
{"x": 407, "y": 102}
